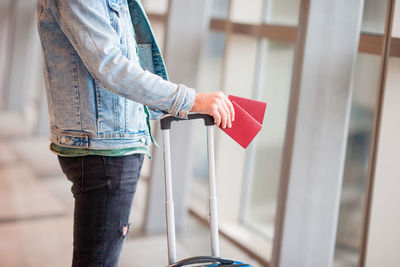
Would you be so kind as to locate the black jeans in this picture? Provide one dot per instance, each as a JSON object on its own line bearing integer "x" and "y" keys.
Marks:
{"x": 103, "y": 188}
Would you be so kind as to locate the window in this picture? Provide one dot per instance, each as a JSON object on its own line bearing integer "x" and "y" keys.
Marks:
{"x": 242, "y": 63}
{"x": 220, "y": 9}
{"x": 282, "y": 12}
{"x": 242, "y": 57}
{"x": 264, "y": 157}
{"x": 210, "y": 75}
{"x": 366, "y": 81}
{"x": 374, "y": 17}
{"x": 244, "y": 12}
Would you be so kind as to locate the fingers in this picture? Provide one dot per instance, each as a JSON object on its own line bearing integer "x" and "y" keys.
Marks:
{"x": 217, "y": 118}
{"x": 225, "y": 109}
{"x": 231, "y": 108}
{"x": 226, "y": 115}
{"x": 217, "y": 105}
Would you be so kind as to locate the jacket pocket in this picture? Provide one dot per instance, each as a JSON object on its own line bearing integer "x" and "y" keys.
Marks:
{"x": 146, "y": 57}
{"x": 135, "y": 117}
{"x": 107, "y": 117}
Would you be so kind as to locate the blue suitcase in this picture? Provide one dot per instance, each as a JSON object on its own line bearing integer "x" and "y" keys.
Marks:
{"x": 214, "y": 261}
{"x": 205, "y": 261}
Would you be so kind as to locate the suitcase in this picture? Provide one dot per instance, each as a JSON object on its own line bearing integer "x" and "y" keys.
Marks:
{"x": 213, "y": 260}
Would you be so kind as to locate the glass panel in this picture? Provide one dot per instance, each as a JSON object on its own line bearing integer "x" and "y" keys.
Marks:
{"x": 283, "y": 12}
{"x": 241, "y": 65}
{"x": 209, "y": 80}
{"x": 239, "y": 73}
{"x": 242, "y": 52}
{"x": 220, "y": 9}
{"x": 374, "y": 16}
{"x": 211, "y": 62}
{"x": 366, "y": 78}
{"x": 264, "y": 170}
{"x": 156, "y": 6}
{"x": 244, "y": 12}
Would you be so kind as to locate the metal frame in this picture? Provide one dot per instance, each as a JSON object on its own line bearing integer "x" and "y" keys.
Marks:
{"x": 213, "y": 208}
{"x": 386, "y": 52}
{"x": 247, "y": 182}
{"x": 395, "y": 47}
{"x": 369, "y": 43}
{"x": 169, "y": 203}
{"x": 293, "y": 106}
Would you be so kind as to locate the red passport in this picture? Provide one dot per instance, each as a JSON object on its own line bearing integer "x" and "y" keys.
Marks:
{"x": 249, "y": 116}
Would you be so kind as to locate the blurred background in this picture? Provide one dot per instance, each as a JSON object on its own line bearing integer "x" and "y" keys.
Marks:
{"x": 247, "y": 48}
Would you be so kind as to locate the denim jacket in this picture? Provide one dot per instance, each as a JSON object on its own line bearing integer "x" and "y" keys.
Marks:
{"x": 100, "y": 76}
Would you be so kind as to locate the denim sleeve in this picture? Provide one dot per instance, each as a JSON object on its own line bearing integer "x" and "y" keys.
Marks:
{"x": 183, "y": 111}
{"x": 156, "y": 114}
{"x": 86, "y": 24}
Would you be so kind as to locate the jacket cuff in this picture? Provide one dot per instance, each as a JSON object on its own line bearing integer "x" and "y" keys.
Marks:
{"x": 156, "y": 114}
{"x": 184, "y": 102}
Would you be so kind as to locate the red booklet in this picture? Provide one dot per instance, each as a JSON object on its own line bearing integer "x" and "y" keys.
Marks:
{"x": 249, "y": 116}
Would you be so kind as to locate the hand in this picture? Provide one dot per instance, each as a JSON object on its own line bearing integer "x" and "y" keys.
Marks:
{"x": 217, "y": 105}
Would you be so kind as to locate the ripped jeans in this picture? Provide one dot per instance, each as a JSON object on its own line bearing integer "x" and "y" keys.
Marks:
{"x": 103, "y": 188}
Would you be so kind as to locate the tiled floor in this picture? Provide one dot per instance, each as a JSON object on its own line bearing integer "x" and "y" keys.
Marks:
{"x": 36, "y": 208}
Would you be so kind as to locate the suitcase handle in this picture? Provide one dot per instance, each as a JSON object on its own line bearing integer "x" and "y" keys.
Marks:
{"x": 203, "y": 259}
{"x": 168, "y": 119}
{"x": 165, "y": 124}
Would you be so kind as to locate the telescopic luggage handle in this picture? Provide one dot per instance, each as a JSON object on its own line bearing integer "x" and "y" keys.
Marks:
{"x": 166, "y": 120}
{"x": 169, "y": 205}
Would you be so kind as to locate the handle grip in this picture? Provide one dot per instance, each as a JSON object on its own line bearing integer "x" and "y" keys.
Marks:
{"x": 203, "y": 259}
{"x": 168, "y": 119}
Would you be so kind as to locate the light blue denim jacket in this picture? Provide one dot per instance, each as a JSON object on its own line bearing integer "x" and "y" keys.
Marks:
{"x": 96, "y": 85}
